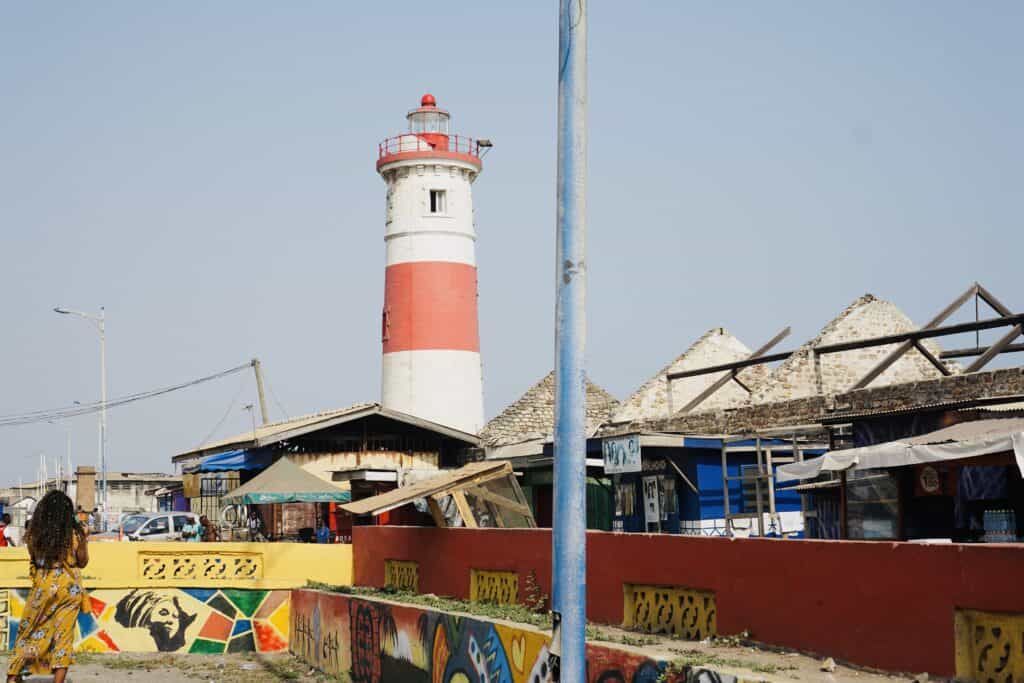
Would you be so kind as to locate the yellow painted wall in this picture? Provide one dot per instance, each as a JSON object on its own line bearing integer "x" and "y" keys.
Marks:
{"x": 199, "y": 565}
{"x": 989, "y": 645}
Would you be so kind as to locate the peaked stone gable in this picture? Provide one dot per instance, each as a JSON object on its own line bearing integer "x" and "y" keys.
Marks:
{"x": 805, "y": 374}
{"x": 714, "y": 347}
{"x": 532, "y": 416}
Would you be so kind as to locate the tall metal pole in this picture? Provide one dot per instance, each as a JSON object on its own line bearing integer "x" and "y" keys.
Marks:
{"x": 103, "y": 416}
{"x": 71, "y": 473}
{"x": 258, "y": 369}
{"x": 569, "y": 550}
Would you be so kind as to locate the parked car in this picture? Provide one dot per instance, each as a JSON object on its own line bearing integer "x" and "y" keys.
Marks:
{"x": 156, "y": 526}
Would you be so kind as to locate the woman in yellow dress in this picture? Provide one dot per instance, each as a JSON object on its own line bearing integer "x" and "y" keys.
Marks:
{"x": 58, "y": 550}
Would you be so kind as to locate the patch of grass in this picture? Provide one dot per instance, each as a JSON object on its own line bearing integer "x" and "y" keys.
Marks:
{"x": 639, "y": 640}
{"x": 519, "y": 613}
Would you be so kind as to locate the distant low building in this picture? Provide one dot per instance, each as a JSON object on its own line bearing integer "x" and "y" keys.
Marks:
{"x": 127, "y": 492}
{"x": 364, "y": 448}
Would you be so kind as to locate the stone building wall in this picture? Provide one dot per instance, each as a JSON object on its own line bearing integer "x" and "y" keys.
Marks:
{"x": 1006, "y": 383}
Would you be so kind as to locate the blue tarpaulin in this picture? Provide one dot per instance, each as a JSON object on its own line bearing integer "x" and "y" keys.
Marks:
{"x": 716, "y": 444}
{"x": 233, "y": 461}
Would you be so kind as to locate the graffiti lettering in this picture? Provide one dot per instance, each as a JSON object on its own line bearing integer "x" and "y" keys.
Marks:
{"x": 365, "y": 642}
{"x": 302, "y": 638}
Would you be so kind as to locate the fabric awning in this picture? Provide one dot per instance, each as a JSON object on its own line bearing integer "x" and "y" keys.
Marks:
{"x": 233, "y": 461}
{"x": 286, "y": 482}
{"x": 964, "y": 440}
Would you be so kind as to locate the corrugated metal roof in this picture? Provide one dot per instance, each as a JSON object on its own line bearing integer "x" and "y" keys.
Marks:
{"x": 988, "y": 404}
{"x": 276, "y": 432}
{"x": 970, "y": 431}
{"x": 1016, "y": 406}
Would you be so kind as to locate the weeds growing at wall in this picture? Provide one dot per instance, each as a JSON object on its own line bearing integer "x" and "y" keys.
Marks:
{"x": 518, "y": 613}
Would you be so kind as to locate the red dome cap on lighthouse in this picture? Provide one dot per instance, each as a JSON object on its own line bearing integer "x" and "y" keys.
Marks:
{"x": 428, "y": 100}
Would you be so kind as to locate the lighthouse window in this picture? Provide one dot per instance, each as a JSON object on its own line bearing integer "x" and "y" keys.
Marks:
{"x": 438, "y": 201}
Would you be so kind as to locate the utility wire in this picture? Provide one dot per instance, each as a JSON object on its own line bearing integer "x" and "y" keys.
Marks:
{"x": 273, "y": 395}
{"x": 220, "y": 423}
{"x": 88, "y": 408}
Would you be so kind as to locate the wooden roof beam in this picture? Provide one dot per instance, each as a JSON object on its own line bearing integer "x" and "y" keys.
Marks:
{"x": 731, "y": 375}
{"x": 898, "y": 352}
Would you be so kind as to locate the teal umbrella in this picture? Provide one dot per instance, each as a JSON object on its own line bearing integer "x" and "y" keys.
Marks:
{"x": 286, "y": 482}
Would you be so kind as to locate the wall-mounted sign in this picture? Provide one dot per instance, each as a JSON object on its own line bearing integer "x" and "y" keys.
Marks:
{"x": 652, "y": 503}
{"x": 621, "y": 454}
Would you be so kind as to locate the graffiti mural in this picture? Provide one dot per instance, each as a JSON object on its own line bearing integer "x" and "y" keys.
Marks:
{"x": 375, "y": 642}
{"x": 199, "y": 620}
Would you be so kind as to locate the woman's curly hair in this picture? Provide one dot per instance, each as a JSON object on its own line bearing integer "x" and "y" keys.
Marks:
{"x": 52, "y": 529}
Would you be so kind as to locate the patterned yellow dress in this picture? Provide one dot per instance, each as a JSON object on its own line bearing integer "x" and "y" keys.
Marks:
{"x": 46, "y": 634}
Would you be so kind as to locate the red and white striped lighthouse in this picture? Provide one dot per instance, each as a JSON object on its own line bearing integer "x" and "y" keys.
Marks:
{"x": 430, "y": 333}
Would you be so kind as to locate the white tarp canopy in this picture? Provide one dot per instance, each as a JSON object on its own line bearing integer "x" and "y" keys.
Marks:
{"x": 964, "y": 440}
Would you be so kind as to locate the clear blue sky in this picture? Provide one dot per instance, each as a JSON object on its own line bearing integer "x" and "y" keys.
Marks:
{"x": 206, "y": 172}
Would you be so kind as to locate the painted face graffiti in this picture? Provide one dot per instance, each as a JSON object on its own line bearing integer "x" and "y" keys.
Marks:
{"x": 163, "y": 616}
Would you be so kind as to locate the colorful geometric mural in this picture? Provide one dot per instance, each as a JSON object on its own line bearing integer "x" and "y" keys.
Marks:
{"x": 377, "y": 642}
{"x": 201, "y": 620}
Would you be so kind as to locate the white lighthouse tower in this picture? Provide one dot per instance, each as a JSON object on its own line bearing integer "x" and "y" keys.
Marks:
{"x": 430, "y": 333}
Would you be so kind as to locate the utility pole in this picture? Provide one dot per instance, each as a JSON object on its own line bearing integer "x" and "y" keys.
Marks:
{"x": 103, "y": 414}
{"x": 101, "y": 324}
{"x": 258, "y": 369}
{"x": 252, "y": 414}
{"x": 569, "y": 539}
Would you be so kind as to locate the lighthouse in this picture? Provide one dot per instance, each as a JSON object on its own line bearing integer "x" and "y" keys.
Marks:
{"x": 429, "y": 331}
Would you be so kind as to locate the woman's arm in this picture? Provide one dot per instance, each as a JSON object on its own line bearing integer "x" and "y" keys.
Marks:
{"x": 82, "y": 551}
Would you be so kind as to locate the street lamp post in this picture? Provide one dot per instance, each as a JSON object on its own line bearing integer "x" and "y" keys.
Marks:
{"x": 67, "y": 452}
{"x": 100, "y": 321}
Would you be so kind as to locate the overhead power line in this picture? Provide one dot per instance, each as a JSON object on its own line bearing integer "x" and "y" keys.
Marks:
{"x": 88, "y": 408}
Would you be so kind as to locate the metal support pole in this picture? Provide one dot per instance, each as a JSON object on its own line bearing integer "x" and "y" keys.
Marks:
{"x": 569, "y": 537}
{"x": 103, "y": 416}
{"x": 258, "y": 369}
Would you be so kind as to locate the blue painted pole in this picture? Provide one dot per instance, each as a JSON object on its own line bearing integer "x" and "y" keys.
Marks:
{"x": 569, "y": 552}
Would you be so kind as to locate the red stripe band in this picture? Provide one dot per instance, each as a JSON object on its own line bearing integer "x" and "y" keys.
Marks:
{"x": 430, "y": 305}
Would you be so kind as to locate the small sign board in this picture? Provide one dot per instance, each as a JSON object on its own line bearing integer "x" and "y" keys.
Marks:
{"x": 621, "y": 454}
{"x": 652, "y": 502}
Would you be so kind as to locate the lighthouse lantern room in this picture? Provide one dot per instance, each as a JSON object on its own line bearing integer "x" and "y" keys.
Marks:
{"x": 431, "y": 366}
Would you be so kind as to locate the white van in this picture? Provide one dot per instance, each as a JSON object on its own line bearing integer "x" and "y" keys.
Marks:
{"x": 156, "y": 526}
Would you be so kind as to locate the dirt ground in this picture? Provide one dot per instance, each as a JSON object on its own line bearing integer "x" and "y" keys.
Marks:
{"x": 150, "y": 668}
{"x": 734, "y": 657}
{"x": 250, "y": 668}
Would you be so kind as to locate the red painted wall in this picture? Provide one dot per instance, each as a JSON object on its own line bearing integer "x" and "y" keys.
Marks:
{"x": 888, "y": 605}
